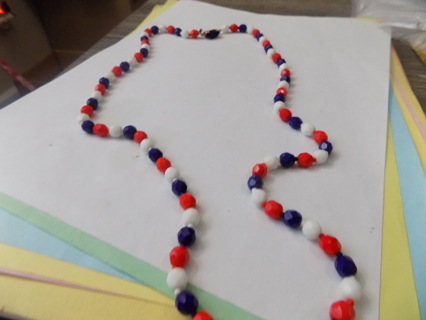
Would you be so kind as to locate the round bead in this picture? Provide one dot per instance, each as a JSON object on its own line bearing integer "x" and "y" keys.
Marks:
{"x": 258, "y": 36}
{"x": 186, "y": 236}
{"x": 270, "y": 52}
{"x": 177, "y": 279}
{"x": 202, "y": 315}
{"x": 97, "y": 95}
{"x": 305, "y": 160}
{"x": 87, "y": 110}
{"x": 342, "y": 310}
{"x": 132, "y": 62}
{"x": 255, "y": 182}
{"x": 100, "y": 130}
{"x": 138, "y": 56}
{"x": 249, "y": 29}
{"x": 282, "y": 66}
{"x": 224, "y": 29}
{"x": 162, "y": 28}
{"x": 284, "y": 114}
{"x": 154, "y": 154}
{"x": 320, "y": 156}
{"x": 307, "y": 129}
{"x": 261, "y": 38}
{"x": 285, "y": 78}
{"x": 129, "y": 132}
{"x": 292, "y": 219}
{"x": 242, "y": 28}
{"x": 285, "y": 72}
{"x": 186, "y": 303}
{"x": 282, "y": 91}
{"x": 350, "y": 288}
{"x": 179, "y": 257}
{"x": 179, "y": 187}
{"x": 162, "y": 164}
{"x": 255, "y": 32}
{"x": 279, "y": 105}
{"x": 273, "y": 209}
{"x": 258, "y": 196}
{"x": 311, "y": 230}
{"x": 275, "y": 57}
{"x": 280, "y": 62}
{"x": 330, "y": 245}
{"x": 87, "y": 126}
{"x": 125, "y": 66}
{"x": 194, "y": 33}
{"x": 233, "y": 28}
{"x": 115, "y": 131}
{"x": 149, "y": 32}
{"x": 272, "y": 162}
{"x": 283, "y": 84}
{"x": 187, "y": 201}
{"x": 266, "y": 42}
{"x": 110, "y": 76}
{"x": 295, "y": 122}
{"x": 139, "y": 136}
{"x": 154, "y": 29}
{"x": 345, "y": 266}
{"x": 117, "y": 71}
{"x": 82, "y": 117}
{"x": 267, "y": 47}
{"x": 178, "y": 31}
{"x": 146, "y": 144}
{"x": 170, "y": 29}
{"x": 279, "y": 97}
{"x": 144, "y": 52}
{"x": 93, "y": 103}
{"x": 146, "y": 46}
{"x": 191, "y": 216}
{"x": 104, "y": 81}
{"x": 327, "y": 146}
{"x": 260, "y": 170}
{"x": 320, "y": 136}
{"x": 171, "y": 174}
{"x": 287, "y": 160}
{"x": 184, "y": 34}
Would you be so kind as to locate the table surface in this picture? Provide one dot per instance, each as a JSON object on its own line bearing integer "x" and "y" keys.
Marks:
{"x": 413, "y": 66}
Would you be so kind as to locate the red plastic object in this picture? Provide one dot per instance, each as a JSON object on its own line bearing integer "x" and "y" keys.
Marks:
{"x": 305, "y": 160}
{"x": 139, "y": 136}
{"x": 187, "y": 201}
{"x": 284, "y": 114}
{"x": 162, "y": 164}
{"x": 330, "y": 245}
{"x": 148, "y": 31}
{"x": 194, "y": 33}
{"x": 138, "y": 56}
{"x": 171, "y": 29}
{"x": 117, "y": 71}
{"x": 233, "y": 27}
{"x": 255, "y": 32}
{"x": 100, "y": 130}
{"x": 101, "y": 88}
{"x": 87, "y": 110}
{"x": 282, "y": 91}
{"x": 342, "y": 310}
{"x": 145, "y": 41}
{"x": 265, "y": 43}
{"x": 260, "y": 170}
{"x": 275, "y": 57}
{"x": 320, "y": 136}
{"x": 285, "y": 72}
{"x": 202, "y": 315}
{"x": 179, "y": 257}
{"x": 273, "y": 209}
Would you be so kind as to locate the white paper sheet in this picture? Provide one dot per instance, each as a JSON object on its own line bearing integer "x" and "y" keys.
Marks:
{"x": 208, "y": 107}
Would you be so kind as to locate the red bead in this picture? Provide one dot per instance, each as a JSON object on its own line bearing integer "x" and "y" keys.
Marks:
{"x": 148, "y": 31}
{"x": 87, "y": 110}
{"x": 179, "y": 257}
{"x": 145, "y": 41}
{"x": 162, "y": 164}
{"x": 100, "y": 130}
{"x": 202, "y": 315}
{"x": 233, "y": 27}
{"x": 266, "y": 42}
{"x": 138, "y": 56}
{"x": 273, "y": 209}
{"x": 320, "y": 136}
{"x": 171, "y": 29}
{"x": 101, "y": 88}
{"x": 194, "y": 33}
{"x": 139, "y": 136}
{"x": 187, "y": 201}
{"x": 284, "y": 114}
{"x": 255, "y": 32}
{"x": 285, "y": 72}
{"x": 260, "y": 170}
{"x": 305, "y": 160}
{"x": 330, "y": 245}
{"x": 117, "y": 71}
{"x": 342, "y": 310}
{"x": 276, "y": 57}
{"x": 282, "y": 91}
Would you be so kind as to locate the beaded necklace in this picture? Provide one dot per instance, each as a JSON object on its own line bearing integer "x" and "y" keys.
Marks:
{"x": 177, "y": 279}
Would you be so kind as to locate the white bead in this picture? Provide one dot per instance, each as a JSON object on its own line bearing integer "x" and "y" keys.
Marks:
{"x": 311, "y": 230}
{"x": 224, "y": 29}
{"x": 177, "y": 279}
{"x": 162, "y": 28}
{"x": 350, "y": 288}
{"x": 146, "y": 46}
{"x": 261, "y": 39}
{"x": 177, "y": 291}
{"x": 184, "y": 34}
{"x": 283, "y": 66}
{"x": 132, "y": 61}
{"x": 283, "y": 84}
{"x": 146, "y": 144}
{"x": 258, "y": 196}
{"x": 250, "y": 29}
{"x": 115, "y": 131}
{"x": 191, "y": 217}
{"x": 279, "y": 105}
{"x": 270, "y": 52}
{"x": 110, "y": 76}
{"x": 307, "y": 129}
{"x": 321, "y": 156}
{"x": 272, "y": 162}
{"x": 171, "y": 174}
{"x": 82, "y": 117}
{"x": 146, "y": 34}
{"x": 97, "y": 95}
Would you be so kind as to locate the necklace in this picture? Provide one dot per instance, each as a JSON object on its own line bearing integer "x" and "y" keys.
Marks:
{"x": 177, "y": 279}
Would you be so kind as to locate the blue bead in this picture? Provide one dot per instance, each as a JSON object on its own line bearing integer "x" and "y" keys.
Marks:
{"x": 144, "y": 38}
{"x": 186, "y": 236}
{"x": 212, "y": 34}
{"x": 292, "y": 219}
{"x": 267, "y": 47}
{"x": 104, "y": 81}
{"x": 258, "y": 36}
{"x": 125, "y": 66}
{"x": 186, "y": 303}
{"x": 129, "y": 132}
{"x": 280, "y": 61}
{"x": 144, "y": 52}
{"x": 255, "y": 182}
{"x": 285, "y": 78}
{"x": 287, "y": 160}
{"x": 93, "y": 102}
{"x": 179, "y": 187}
{"x": 88, "y": 126}
{"x": 327, "y": 146}
{"x": 154, "y": 29}
{"x": 344, "y": 265}
{"x": 154, "y": 154}
{"x": 178, "y": 31}
{"x": 295, "y": 122}
{"x": 279, "y": 97}
{"x": 242, "y": 28}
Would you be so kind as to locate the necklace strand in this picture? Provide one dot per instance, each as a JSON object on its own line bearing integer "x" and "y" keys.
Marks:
{"x": 177, "y": 279}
